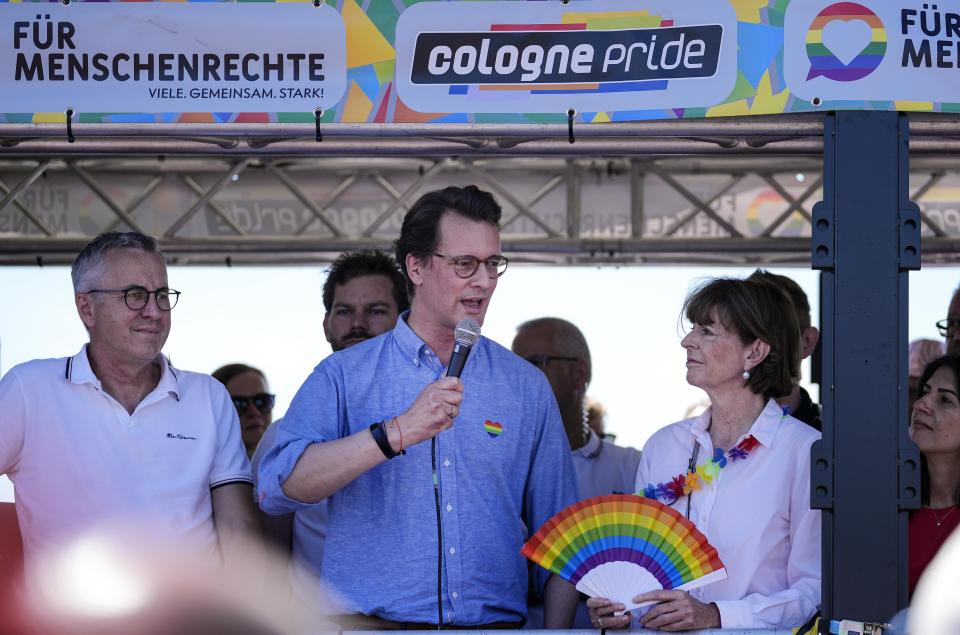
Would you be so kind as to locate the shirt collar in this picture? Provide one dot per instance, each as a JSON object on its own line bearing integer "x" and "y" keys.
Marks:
{"x": 414, "y": 348}
{"x": 590, "y": 449}
{"x": 764, "y": 429}
{"x": 79, "y": 371}
{"x": 409, "y": 343}
{"x": 766, "y": 426}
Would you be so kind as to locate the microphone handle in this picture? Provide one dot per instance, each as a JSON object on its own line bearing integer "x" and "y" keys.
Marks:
{"x": 458, "y": 359}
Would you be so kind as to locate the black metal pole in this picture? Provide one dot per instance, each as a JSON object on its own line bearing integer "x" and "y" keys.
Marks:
{"x": 865, "y": 472}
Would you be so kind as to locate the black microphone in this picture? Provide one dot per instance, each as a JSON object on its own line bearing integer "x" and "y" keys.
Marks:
{"x": 467, "y": 334}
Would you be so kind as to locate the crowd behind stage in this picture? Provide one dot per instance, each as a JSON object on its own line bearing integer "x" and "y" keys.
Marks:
{"x": 393, "y": 496}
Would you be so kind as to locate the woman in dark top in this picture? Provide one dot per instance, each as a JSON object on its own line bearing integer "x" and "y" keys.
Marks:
{"x": 935, "y": 428}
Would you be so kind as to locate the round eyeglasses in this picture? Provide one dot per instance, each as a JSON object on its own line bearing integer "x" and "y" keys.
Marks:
{"x": 136, "y": 298}
{"x": 466, "y": 266}
{"x": 949, "y": 326}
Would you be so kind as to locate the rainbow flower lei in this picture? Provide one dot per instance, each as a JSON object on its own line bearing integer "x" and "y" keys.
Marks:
{"x": 683, "y": 484}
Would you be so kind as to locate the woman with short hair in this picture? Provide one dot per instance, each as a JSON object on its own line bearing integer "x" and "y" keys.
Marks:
{"x": 745, "y": 465}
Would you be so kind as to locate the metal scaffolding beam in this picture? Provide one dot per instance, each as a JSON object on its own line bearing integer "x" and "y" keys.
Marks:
{"x": 723, "y": 191}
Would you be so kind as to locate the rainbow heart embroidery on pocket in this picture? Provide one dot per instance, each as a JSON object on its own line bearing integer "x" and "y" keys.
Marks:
{"x": 493, "y": 428}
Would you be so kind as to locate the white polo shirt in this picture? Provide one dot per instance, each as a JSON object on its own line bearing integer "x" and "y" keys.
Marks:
{"x": 78, "y": 460}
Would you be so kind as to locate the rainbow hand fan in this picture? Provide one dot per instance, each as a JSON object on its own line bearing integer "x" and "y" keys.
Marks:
{"x": 619, "y": 546}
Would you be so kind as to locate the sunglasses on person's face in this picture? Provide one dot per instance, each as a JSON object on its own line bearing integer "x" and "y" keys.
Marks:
{"x": 542, "y": 361}
{"x": 262, "y": 402}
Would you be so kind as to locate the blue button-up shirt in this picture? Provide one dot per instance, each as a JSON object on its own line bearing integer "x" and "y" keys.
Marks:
{"x": 504, "y": 468}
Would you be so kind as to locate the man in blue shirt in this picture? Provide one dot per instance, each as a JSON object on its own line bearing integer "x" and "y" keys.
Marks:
{"x": 501, "y": 464}
{"x": 363, "y": 295}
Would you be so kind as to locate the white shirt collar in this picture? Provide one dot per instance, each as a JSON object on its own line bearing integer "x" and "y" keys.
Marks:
{"x": 79, "y": 371}
{"x": 764, "y": 428}
{"x": 590, "y": 449}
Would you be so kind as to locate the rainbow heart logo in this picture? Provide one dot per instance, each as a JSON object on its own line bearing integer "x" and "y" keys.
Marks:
{"x": 845, "y": 42}
{"x": 493, "y": 428}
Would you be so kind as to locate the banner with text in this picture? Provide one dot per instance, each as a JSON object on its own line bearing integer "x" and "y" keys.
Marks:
{"x": 171, "y": 57}
{"x": 466, "y": 62}
{"x": 551, "y": 57}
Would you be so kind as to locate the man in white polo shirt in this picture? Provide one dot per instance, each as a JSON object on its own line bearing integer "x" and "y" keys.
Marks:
{"x": 115, "y": 435}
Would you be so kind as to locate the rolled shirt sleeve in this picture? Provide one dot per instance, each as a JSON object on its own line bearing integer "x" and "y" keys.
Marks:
{"x": 313, "y": 417}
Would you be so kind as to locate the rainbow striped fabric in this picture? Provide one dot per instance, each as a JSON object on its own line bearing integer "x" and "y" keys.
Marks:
{"x": 493, "y": 428}
{"x": 618, "y": 546}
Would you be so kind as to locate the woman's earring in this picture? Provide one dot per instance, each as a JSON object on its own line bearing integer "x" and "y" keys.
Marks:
{"x": 746, "y": 375}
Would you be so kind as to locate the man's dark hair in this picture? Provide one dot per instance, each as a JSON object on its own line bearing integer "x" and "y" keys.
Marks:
{"x": 789, "y": 286}
{"x": 225, "y": 373}
{"x": 418, "y": 235}
{"x": 350, "y": 265}
{"x": 754, "y": 310}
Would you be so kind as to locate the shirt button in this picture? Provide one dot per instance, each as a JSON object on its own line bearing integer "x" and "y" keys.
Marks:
{"x": 452, "y": 551}
{"x": 446, "y": 463}
{"x": 449, "y": 507}
{"x": 455, "y": 595}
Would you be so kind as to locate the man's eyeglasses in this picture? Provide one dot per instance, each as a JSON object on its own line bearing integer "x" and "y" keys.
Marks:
{"x": 262, "y": 402}
{"x": 466, "y": 266}
{"x": 137, "y": 297}
{"x": 949, "y": 326}
{"x": 541, "y": 361}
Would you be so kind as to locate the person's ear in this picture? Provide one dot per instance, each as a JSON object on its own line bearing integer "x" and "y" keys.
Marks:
{"x": 808, "y": 341}
{"x": 85, "y": 308}
{"x": 756, "y": 353}
{"x": 415, "y": 269}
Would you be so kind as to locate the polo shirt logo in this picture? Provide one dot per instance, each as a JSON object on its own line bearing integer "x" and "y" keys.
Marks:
{"x": 180, "y": 436}
{"x": 493, "y": 428}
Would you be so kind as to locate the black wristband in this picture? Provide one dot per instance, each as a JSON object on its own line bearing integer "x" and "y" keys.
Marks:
{"x": 379, "y": 432}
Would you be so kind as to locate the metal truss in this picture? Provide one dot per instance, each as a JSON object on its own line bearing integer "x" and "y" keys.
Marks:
{"x": 735, "y": 192}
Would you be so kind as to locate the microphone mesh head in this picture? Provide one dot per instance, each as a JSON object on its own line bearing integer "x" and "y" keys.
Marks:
{"x": 467, "y": 332}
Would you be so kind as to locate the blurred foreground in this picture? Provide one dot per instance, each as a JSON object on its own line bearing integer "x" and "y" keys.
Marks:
{"x": 133, "y": 582}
